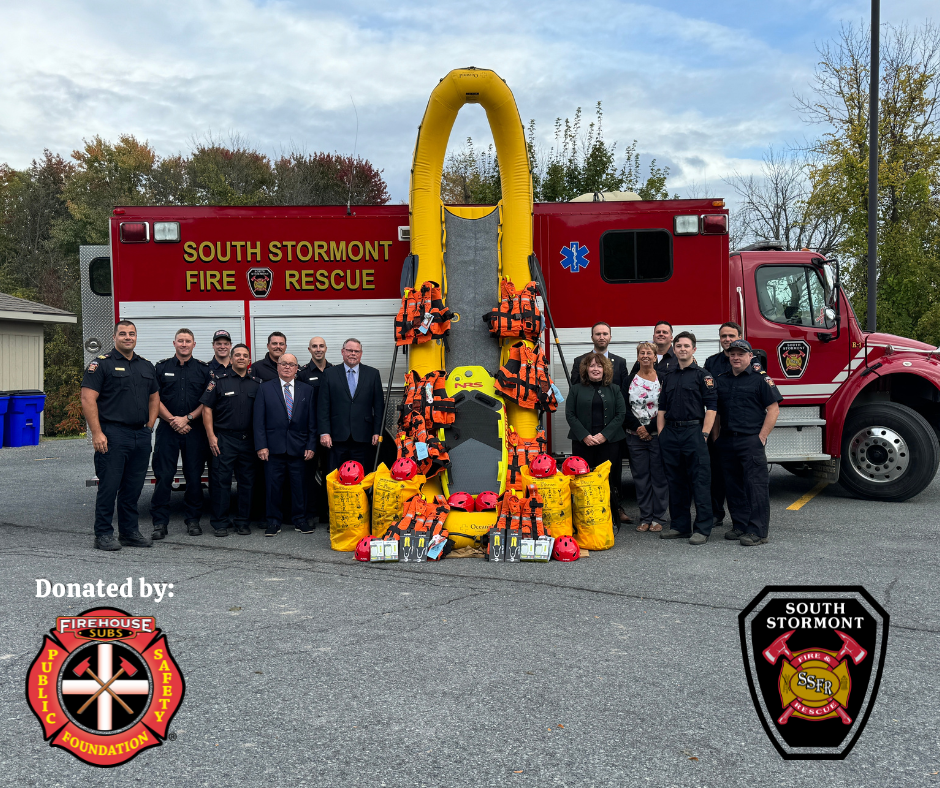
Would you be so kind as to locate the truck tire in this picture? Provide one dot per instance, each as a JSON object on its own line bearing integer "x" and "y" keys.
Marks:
{"x": 889, "y": 452}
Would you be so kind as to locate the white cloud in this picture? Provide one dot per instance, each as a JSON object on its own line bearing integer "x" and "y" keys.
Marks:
{"x": 706, "y": 95}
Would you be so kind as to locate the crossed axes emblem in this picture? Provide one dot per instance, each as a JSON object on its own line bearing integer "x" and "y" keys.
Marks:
{"x": 83, "y": 667}
{"x": 779, "y": 649}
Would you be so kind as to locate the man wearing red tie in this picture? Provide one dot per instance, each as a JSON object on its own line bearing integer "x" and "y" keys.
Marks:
{"x": 285, "y": 426}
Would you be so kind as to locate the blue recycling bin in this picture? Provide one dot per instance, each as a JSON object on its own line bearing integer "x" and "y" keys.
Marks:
{"x": 22, "y": 419}
{"x": 4, "y": 404}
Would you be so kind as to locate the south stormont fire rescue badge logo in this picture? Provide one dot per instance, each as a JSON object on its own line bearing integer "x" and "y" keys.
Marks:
{"x": 104, "y": 686}
{"x": 814, "y": 656}
{"x": 794, "y": 357}
{"x": 259, "y": 281}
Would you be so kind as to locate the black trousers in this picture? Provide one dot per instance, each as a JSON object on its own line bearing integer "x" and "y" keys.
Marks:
{"x": 350, "y": 450}
{"x": 168, "y": 448}
{"x": 236, "y": 458}
{"x": 718, "y": 482}
{"x": 121, "y": 472}
{"x": 276, "y": 469}
{"x": 597, "y": 455}
{"x": 688, "y": 471}
{"x": 744, "y": 462}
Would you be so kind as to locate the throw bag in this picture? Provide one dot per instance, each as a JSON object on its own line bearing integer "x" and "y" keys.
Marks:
{"x": 590, "y": 501}
{"x": 388, "y": 499}
{"x": 349, "y": 511}
{"x": 555, "y": 492}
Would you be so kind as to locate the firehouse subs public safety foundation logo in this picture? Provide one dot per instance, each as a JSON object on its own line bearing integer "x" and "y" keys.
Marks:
{"x": 259, "y": 281}
{"x": 794, "y": 357}
{"x": 105, "y": 686}
{"x": 814, "y": 656}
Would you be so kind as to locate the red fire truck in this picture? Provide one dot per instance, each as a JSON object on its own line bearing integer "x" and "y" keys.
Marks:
{"x": 860, "y": 408}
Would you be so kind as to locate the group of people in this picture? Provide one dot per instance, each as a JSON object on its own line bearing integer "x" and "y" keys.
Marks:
{"x": 692, "y": 433}
{"x": 274, "y": 419}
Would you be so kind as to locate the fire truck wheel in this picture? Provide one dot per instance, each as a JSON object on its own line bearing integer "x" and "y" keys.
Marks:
{"x": 889, "y": 452}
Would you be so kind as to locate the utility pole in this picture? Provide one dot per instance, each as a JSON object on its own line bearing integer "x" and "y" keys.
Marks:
{"x": 873, "y": 166}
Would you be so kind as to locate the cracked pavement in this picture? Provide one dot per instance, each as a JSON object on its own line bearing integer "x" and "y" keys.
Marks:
{"x": 620, "y": 669}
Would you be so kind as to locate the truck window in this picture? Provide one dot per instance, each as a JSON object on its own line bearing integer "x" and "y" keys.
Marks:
{"x": 99, "y": 276}
{"x": 794, "y": 295}
{"x": 636, "y": 256}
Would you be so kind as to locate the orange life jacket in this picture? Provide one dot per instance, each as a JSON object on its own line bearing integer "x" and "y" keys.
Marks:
{"x": 422, "y": 315}
{"x": 421, "y": 517}
{"x": 524, "y": 379}
{"x": 426, "y": 396}
{"x": 509, "y": 512}
{"x": 437, "y": 461}
{"x": 530, "y": 514}
{"x": 520, "y": 452}
{"x": 518, "y": 313}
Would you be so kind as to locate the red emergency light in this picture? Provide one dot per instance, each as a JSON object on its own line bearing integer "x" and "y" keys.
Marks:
{"x": 714, "y": 224}
{"x": 134, "y": 233}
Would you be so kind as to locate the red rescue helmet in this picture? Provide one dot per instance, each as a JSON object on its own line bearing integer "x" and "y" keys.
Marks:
{"x": 461, "y": 501}
{"x": 487, "y": 501}
{"x": 575, "y": 466}
{"x": 566, "y": 549}
{"x": 404, "y": 468}
{"x": 351, "y": 473}
{"x": 363, "y": 551}
{"x": 542, "y": 466}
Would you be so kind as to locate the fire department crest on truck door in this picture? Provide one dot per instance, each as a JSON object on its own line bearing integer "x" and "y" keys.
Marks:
{"x": 794, "y": 357}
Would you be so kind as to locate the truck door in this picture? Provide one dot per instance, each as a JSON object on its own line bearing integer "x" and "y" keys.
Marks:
{"x": 786, "y": 318}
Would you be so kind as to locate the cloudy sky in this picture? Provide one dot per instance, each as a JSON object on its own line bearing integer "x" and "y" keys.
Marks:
{"x": 703, "y": 87}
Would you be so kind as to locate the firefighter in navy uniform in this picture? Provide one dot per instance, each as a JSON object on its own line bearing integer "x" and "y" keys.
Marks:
{"x": 266, "y": 368}
{"x": 747, "y": 411}
{"x": 687, "y": 407}
{"x": 182, "y": 380}
{"x": 220, "y": 364}
{"x": 312, "y": 374}
{"x": 719, "y": 364}
{"x": 120, "y": 400}
{"x": 229, "y": 403}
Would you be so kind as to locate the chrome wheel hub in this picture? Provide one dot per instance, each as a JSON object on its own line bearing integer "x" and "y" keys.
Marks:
{"x": 879, "y": 454}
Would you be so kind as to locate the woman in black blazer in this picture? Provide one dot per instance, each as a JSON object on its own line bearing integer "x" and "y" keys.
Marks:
{"x": 595, "y": 410}
{"x": 642, "y": 391}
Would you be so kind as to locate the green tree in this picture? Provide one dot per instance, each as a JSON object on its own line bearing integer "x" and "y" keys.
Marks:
{"x": 908, "y": 169}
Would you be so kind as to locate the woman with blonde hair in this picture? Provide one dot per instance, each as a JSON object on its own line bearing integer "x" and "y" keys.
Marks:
{"x": 595, "y": 410}
{"x": 642, "y": 390}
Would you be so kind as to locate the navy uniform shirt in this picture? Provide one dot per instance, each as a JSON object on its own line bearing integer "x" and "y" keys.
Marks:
{"x": 124, "y": 388}
{"x": 688, "y": 393}
{"x": 217, "y": 370}
{"x": 312, "y": 375}
{"x": 719, "y": 364}
{"x": 743, "y": 400}
{"x": 181, "y": 385}
{"x": 266, "y": 369}
{"x": 232, "y": 400}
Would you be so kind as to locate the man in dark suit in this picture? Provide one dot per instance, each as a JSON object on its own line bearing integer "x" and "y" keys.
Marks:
{"x": 351, "y": 408}
{"x": 601, "y": 336}
{"x": 285, "y": 426}
{"x": 311, "y": 374}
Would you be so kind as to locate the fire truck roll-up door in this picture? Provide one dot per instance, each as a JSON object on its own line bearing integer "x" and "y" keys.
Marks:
{"x": 370, "y": 320}
{"x": 576, "y": 341}
{"x": 158, "y": 321}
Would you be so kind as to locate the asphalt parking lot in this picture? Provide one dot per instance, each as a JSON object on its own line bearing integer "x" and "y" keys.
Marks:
{"x": 622, "y": 669}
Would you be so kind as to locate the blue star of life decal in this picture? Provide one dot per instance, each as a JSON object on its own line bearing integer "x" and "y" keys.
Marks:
{"x": 574, "y": 257}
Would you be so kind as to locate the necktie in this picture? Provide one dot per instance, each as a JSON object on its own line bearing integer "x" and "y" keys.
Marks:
{"x": 288, "y": 400}
{"x": 352, "y": 382}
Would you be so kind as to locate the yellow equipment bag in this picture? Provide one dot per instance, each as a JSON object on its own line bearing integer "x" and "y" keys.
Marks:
{"x": 590, "y": 499}
{"x": 556, "y": 501}
{"x": 388, "y": 498}
{"x": 349, "y": 511}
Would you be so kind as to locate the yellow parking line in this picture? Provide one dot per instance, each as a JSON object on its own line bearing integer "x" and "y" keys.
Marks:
{"x": 799, "y": 504}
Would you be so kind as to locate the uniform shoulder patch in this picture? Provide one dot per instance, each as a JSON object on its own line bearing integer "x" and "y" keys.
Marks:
{"x": 210, "y": 386}
{"x": 93, "y": 366}
{"x": 756, "y": 366}
{"x": 709, "y": 380}
{"x": 770, "y": 381}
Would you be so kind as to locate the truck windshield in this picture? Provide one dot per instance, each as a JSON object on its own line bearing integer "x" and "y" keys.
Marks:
{"x": 795, "y": 295}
